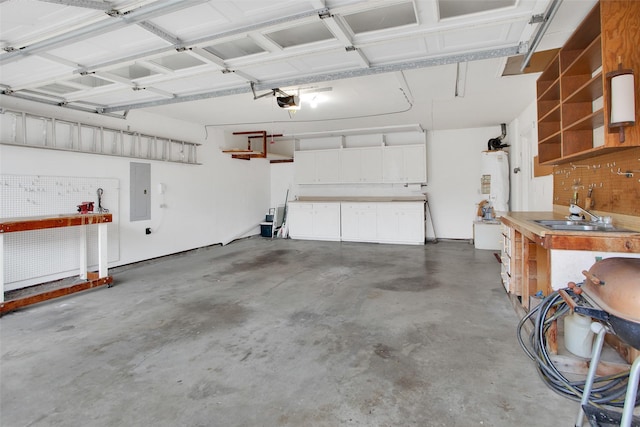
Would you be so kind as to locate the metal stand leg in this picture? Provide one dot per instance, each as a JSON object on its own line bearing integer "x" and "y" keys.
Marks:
{"x": 600, "y": 332}
{"x": 632, "y": 392}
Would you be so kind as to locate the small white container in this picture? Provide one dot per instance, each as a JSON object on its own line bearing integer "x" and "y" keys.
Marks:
{"x": 578, "y": 337}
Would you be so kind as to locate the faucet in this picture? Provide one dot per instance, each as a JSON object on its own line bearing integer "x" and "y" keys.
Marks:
{"x": 574, "y": 209}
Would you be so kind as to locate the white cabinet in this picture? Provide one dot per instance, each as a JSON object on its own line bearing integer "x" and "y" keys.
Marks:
{"x": 379, "y": 222}
{"x": 314, "y": 221}
{"x": 488, "y": 235}
{"x": 317, "y": 166}
{"x": 359, "y": 222}
{"x": 401, "y": 223}
{"x": 361, "y": 165}
{"x": 404, "y": 164}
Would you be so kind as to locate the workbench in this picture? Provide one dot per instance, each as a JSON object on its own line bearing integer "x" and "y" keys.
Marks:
{"x": 90, "y": 279}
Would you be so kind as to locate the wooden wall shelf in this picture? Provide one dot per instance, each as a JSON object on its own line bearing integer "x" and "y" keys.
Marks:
{"x": 573, "y": 94}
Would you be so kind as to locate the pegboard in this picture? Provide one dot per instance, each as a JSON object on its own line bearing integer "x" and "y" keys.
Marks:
{"x": 614, "y": 179}
{"x": 33, "y": 257}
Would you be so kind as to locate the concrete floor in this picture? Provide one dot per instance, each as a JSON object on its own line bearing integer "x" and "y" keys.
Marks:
{"x": 280, "y": 333}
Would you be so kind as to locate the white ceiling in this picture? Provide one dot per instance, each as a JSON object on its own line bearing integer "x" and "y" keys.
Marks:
{"x": 392, "y": 61}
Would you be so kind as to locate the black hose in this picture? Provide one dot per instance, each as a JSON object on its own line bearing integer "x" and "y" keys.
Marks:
{"x": 607, "y": 390}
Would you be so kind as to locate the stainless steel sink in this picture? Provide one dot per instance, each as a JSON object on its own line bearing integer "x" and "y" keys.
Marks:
{"x": 560, "y": 222}
{"x": 568, "y": 225}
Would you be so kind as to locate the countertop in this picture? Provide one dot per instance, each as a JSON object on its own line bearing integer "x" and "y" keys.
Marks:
{"x": 607, "y": 241}
{"x": 9, "y": 225}
{"x": 363, "y": 199}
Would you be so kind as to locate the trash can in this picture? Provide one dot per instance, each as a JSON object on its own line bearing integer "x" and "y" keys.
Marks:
{"x": 266, "y": 229}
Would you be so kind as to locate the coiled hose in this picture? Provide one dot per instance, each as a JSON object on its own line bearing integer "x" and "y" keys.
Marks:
{"x": 607, "y": 390}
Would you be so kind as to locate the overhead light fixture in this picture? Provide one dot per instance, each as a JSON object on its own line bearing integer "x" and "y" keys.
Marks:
{"x": 286, "y": 101}
{"x": 622, "y": 99}
{"x": 289, "y": 102}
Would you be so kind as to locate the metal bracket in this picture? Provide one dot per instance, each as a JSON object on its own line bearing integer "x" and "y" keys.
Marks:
{"x": 536, "y": 19}
{"x": 523, "y": 47}
{"x": 324, "y": 13}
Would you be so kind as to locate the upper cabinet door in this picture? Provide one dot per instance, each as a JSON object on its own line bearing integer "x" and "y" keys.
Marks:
{"x": 371, "y": 165}
{"x": 328, "y": 166}
{"x": 404, "y": 164}
{"x": 415, "y": 163}
{"x": 360, "y": 165}
{"x": 317, "y": 166}
{"x": 305, "y": 167}
{"x": 392, "y": 164}
{"x": 350, "y": 166}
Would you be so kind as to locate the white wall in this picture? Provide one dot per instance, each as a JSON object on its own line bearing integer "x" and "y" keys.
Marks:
{"x": 215, "y": 202}
{"x": 453, "y": 166}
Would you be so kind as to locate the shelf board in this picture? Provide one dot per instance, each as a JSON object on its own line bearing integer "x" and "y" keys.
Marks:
{"x": 589, "y": 91}
{"x": 555, "y": 138}
{"x": 550, "y": 93}
{"x": 552, "y": 113}
{"x": 590, "y": 122}
{"x": 586, "y": 154}
{"x": 585, "y": 61}
{"x": 588, "y": 30}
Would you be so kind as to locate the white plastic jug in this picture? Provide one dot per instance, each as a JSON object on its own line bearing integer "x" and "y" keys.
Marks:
{"x": 578, "y": 337}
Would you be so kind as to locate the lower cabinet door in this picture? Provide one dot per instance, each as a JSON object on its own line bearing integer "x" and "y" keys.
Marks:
{"x": 300, "y": 220}
{"x": 359, "y": 222}
{"x": 326, "y": 221}
{"x": 401, "y": 223}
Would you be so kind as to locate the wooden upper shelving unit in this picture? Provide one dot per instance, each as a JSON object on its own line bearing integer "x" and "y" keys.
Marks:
{"x": 573, "y": 94}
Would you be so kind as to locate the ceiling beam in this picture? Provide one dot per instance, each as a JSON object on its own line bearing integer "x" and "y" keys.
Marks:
{"x": 85, "y": 4}
{"x": 360, "y": 72}
{"x": 163, "y": 34}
